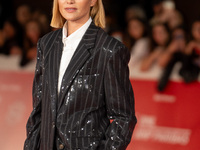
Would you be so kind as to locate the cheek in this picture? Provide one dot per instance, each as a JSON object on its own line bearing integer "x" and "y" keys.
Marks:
{"x": 60, "y": 5}
{"x": 61, "y": 10}
{"x": 85, "y": 5}
{"x": 158, "y": 38}
{"x": 61, "y": 2}
{"x": 86, "y": 8}
{"x": 196, "y": 35}
{"x": 155, "y": 36}
{"x": 136, "y": 33}
{"x": 140, "y": 31}
{"x": 165, "y": 38}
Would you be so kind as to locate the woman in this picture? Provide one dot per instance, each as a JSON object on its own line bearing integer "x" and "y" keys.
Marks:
{"x": 160, "y": 39}
{"x": 32, "y": 34}
{"x": 174, "y": 53}
{"x": 137, "y": 31}
{"x": 81, "y": 84}
{"x": 10, "y": 43}
{"x": 191, "y": 65}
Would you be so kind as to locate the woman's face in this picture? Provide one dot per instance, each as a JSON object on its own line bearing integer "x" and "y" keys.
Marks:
{"x": 33, "y": 31}
{"x": 23, "y": 14}
{"x": 9, "y": 30}
{"x": 196, "y": 31}
{"x": 160, "y": 35}
{"x": 76, "y": 10}
{"x": 135, "y": 29}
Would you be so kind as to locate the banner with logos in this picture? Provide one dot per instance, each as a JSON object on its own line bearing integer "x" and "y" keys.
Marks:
{"x": 168, "y": 120}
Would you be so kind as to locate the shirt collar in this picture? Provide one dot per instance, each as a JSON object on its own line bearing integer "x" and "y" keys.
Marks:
{"x": 75, "y": 36}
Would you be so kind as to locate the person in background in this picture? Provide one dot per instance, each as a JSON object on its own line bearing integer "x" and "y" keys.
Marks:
{"x": 191, "y": 66}
{"x": 117, "y": 33}
{"x": 166, "y": 12}
{"x": 10, "y": 42}
{"x": 12, "y": 33}
{"x": 139, "y": 41}
{"x": 42, "y": 18}
{"x": 171, "y": 15}
{"x": 157, "y": 6}
{"x": 134, "y": 11}
{"x": 23, "y": 14}
{"x": 176, "y": 46}
{"x": 32, "y": 34}
{"x": 173, "y": 54}
{"x": 159, "y": 40}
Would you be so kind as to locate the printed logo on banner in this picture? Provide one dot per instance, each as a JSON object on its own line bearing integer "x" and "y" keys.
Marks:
{"x": 15, "y": 113}
{"x": 147, "y": 130}
{"x": 10, "y": 87}
{"x": 164, "y": 98}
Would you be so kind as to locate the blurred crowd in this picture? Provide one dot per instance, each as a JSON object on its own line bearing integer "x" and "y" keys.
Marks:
{"x": 19, "y": 33}
{"x": 162, "y": 40}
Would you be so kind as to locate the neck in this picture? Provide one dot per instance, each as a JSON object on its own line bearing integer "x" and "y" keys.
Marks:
{"x": 72, "y": 26}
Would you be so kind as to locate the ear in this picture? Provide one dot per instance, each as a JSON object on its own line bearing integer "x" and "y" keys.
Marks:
{"x": 93, "y": 2}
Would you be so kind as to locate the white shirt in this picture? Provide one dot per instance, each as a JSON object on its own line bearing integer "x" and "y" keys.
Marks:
{"x": 70, "y": 44}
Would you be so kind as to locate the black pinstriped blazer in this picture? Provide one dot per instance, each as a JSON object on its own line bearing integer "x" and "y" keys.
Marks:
{"x": 95, "y": 89}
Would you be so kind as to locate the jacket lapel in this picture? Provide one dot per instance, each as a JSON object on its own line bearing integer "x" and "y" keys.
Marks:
{"x": 55, "y": 53}
{"x": 81, "y": 55}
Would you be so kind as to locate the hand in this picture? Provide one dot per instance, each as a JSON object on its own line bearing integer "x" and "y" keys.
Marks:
{"x": 173, "y": 47}
{"x": 191, "y": 45}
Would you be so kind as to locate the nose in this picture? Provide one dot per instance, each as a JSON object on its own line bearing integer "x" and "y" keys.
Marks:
{"x": 70, "y": 1}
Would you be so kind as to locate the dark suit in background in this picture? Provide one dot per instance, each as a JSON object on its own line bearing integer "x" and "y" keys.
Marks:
{"x": 95, "y": 89}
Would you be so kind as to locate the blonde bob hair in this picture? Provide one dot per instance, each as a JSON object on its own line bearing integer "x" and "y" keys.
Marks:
{"x": 97, "y": 14}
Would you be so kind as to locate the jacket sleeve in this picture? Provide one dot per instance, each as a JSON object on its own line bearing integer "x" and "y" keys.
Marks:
{"x": 119, "y": 102}
{"x": 33, "y": 125}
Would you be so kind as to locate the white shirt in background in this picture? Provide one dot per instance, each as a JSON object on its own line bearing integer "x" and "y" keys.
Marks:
{"x": 139, "y": 50}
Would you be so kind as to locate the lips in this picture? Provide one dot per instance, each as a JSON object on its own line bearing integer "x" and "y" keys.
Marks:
{"x": 70, "y": 9}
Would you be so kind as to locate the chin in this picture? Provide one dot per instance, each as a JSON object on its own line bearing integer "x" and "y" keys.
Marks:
{"x": 71, "y": 18}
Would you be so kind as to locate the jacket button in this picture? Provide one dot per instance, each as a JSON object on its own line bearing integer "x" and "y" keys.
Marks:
{"x": 61, "y": 146}
{"x": 53, "y": 124}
